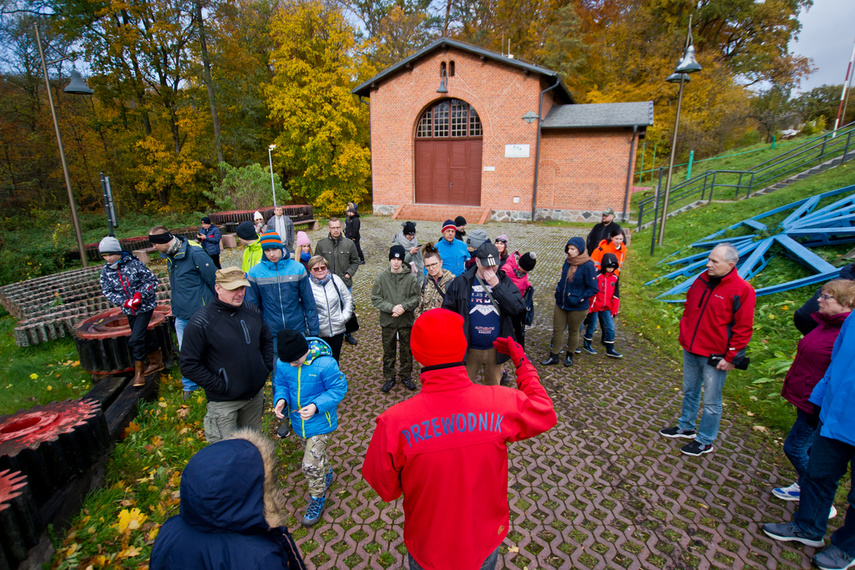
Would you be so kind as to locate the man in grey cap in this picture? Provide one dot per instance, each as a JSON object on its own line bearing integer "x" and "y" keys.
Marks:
{"x": 601, "y": 231}
{"x": 228, "y": 351}
{"x": 488, "y": 301}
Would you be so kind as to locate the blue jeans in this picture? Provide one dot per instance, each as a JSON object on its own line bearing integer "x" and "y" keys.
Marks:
{"x": 798, "y": 442}
{"x": 827, "y": 465}
{"x": 607, "y": 323}
{"x": 696, "y": 374}
{"x": 489, "y": 563}
{"x": 189, "y": 386}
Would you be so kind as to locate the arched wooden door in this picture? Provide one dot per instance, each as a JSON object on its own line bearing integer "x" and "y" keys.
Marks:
{"x": 448, "y": 154}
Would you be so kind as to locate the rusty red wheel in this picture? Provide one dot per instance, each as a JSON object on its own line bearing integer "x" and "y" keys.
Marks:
{"x": 20, "y": 523}
{"x": 102, "y": 340}
{"x": 53, "y": 443}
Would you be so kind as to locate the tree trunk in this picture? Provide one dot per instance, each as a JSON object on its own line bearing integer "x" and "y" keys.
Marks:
{"x": 206, "y": 76}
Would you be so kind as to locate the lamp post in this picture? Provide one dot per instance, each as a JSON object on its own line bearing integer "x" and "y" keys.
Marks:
{"x": 686, "y": 65}
{"x": 77, "y": 87}
{"x": 270, "y": 160}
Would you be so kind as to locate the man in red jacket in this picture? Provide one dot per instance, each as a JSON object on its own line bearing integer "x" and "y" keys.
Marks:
{"x": 718, "y": 319}
{"x": 446, "y": 450}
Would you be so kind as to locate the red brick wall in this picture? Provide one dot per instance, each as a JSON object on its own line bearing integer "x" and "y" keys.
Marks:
{"x": 501, "y": 95}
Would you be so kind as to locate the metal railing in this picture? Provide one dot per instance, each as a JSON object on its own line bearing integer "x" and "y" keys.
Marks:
{"x": 744, "y": 182}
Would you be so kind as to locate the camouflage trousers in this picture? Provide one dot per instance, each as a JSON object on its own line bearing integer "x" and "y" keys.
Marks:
{"x": 315, "y": 463}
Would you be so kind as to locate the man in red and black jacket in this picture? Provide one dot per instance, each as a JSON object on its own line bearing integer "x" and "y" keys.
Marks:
{"x": 446, "y": 448}
{"x": 717, "y": 323}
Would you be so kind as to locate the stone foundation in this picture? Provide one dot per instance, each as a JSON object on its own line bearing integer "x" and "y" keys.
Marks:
{"x": 382, "y": 210}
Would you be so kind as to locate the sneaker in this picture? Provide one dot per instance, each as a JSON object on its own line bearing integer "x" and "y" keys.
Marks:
{"x": 787, "y": 532}
{"x": 578, "y": 350}
{"x": 284, "y": 429}
{"x": 409, "y": 384}
{"x": 350, "y": 339}
{"x": 791, "y": 493}
{"x": 696, "y": 448}
{"x": 832, "y": 558}
{"x": 314, "y": 510}
{"x": 675, "y": 431}
{"x": 328, "y": 479}
{"x": 387, "y": 385}
{"x": 832, "y": 513}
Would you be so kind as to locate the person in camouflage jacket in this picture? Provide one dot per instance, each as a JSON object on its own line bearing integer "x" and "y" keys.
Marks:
{"x": 436, "y": 281}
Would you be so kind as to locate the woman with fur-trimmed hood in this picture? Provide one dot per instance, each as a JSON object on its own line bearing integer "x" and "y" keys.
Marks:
{"x": 228, "y": 517}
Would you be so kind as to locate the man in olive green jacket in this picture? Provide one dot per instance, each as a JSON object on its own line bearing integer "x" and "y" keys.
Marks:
{"x": 396, "y": 295}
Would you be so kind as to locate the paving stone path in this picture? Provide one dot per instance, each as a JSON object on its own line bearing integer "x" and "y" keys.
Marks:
{"x": 600, "y": 490}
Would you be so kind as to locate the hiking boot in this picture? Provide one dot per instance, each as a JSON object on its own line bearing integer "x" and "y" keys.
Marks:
{"x": 314, "y": 510}
{"x": 328, "y": 479}
{"x": 155, "y": 362}
{"x": 568, "y": 361}
{"x": 553, "y": 359}
{"x": 677, "y": 432}
{"x": 696, "y": 448}
{"x": 139, "y": 376}
{"x": 387, "y": 385}
{"x": 610, "y": 350}
{"x": 408, "y": 384}
{"x": 791, "y": 493}
{"x": 790, "y": 532}
{"x": 832, "y": 558}
{"x": 587, "y": 346}
{"x": 284, "y": 429}
{"x": 350, "y": 339}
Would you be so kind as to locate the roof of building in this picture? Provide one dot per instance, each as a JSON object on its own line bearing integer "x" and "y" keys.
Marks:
{"x": 599, "y": 115}
{"x": 365, "y": 88}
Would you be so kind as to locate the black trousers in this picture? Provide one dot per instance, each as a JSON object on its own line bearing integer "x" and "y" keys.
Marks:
{"x": 335, "y": 344}
{"x": 142, "y": 340}
{"x": 216, "y": 260}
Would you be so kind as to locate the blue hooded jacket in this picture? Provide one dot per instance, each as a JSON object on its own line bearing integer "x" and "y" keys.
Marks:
{"x": 836, "y": 391}
{"x": 576, "y": 295}
{"x": 228, "y": 518}
{"x": 192, "y": 274}
{"x": 284, "y": 295}
{"x": 317, "y": 381}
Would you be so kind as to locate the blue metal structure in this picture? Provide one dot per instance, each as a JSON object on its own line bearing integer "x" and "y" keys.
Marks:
{"x": 805, "y": 227}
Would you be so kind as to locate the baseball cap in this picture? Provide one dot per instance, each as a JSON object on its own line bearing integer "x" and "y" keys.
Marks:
{"x": 488, "y": 254}
{"x": 231, "y": 278}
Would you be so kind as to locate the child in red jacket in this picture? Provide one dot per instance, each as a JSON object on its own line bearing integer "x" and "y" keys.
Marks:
{"x": 604, "y": 306}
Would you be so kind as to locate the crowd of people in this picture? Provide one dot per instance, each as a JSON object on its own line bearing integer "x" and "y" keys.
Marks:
{"x": 459, "y": 306}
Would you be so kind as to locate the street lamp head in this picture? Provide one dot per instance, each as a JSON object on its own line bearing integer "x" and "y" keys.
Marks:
{"x": 688, "y": 64}
{"x": 77, "y": 86}
{"x": 271, "y": 147}
{"x": 530, "y": 117}
{"x": 675, "y": 78}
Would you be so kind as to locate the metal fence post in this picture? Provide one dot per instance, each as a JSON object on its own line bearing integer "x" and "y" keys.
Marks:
{"x": 656, "y": 212}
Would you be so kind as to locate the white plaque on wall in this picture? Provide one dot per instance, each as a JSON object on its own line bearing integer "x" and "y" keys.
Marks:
{"x": 516, "y": 151}
{"x": 489, "y": 169}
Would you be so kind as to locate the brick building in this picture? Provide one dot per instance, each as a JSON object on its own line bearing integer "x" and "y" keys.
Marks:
{"x": 457, "y": 125}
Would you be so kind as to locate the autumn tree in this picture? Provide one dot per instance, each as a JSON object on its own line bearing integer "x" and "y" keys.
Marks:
{"x": 323, "y": 140}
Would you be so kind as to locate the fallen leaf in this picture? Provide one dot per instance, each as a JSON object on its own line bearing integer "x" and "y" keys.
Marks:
{"x": 761, "y": 429}
{"x": 513, "y": 549}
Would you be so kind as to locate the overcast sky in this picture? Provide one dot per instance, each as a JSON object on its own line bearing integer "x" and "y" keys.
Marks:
{"x": 827, "y": 37}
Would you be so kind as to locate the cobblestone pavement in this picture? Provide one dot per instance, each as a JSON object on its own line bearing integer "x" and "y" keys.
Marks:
{"x": 600, "y": 490}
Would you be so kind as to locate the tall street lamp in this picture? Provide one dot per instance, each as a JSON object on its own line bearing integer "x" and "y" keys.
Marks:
{"x": 77, "y": 87}
{"x": 686, "y": 65}
{"x": 270, "y": 160}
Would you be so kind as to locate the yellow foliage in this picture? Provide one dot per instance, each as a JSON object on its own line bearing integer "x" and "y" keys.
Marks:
{"x": 130, "y": 520}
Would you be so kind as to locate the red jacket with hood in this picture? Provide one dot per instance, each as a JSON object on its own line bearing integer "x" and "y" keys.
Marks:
{"x": 446, "y": 450}
{"x": 718, "y": 317}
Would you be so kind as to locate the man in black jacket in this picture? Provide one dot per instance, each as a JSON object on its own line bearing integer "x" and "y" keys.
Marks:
{"x": 601, "y": 231}
{"x": 488, "y": 301}
{"x": 228, "y": 351}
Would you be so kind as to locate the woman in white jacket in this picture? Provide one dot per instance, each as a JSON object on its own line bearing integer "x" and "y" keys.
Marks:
{"x": 333, "y": 300}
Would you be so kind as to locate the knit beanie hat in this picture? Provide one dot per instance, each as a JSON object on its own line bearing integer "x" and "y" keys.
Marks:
{"x": 291, "y": 344}
{"x": 477, "y": 238}
{"x": 206, "y": 220}
{"x": 397, "y": 252}
{"x": 437, "y": 338}
{"x": 448, "y": 224}
{"x": 257, "y": 216}
{"x": 502, "y": 237}
{"x": 109, "y": 245}
{"x": 459, "y": 221}
{"x": 527, "y": 261}
{"x": 303, "y": 239}
{"x": 246, "y": 230}
{"x": 409, "y": 227}
{"x": 269, "y": 240}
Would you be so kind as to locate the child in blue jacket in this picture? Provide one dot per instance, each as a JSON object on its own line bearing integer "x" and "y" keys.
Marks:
{"x": 308, "y": 382}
